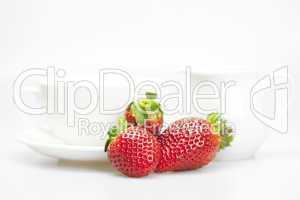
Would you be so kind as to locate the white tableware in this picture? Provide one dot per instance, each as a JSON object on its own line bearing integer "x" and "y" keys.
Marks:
{"x": 70, "y": 126}
{"x": 117, "y": 89}
{"x": 230, "y": 93}
{"x": 47, "y": 145}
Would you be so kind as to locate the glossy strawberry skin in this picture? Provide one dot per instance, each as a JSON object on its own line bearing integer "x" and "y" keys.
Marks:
{"x": 187, "y": 144}
{"x": 134, "y": 152}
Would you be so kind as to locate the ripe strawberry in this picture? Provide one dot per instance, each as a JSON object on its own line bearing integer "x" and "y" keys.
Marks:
{"x": 192, "y": 143}
{"x": 133, "y": 151}
{"x": 146, "y": 113}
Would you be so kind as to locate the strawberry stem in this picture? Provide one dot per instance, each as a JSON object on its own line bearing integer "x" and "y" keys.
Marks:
{"x": 151, "y": 95}
{"x": 219, "y": 125}
{"x": 146, "y": 108}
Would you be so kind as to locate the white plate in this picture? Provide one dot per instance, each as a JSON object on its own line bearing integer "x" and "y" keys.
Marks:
{"x": 46, "y": 145}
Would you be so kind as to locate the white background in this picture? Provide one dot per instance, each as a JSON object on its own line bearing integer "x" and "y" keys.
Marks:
{"x": 246, "y": 34}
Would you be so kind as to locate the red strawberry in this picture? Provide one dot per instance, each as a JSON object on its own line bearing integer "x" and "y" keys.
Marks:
{"x": 134, "y": 151}
{"x": 192, "y": 143}
{"x": 146, "y": 113}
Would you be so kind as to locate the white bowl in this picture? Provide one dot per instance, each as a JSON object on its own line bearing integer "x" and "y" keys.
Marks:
{"x": 234, "y": 99}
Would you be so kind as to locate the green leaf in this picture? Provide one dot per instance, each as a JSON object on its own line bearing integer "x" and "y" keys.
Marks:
{"x": 151, "y": 95}
{"x": 213, "y": 118}
{"x": 219, "y": 126}
{"x": 122, "y": 124}
{"x": 139, "y": 114}
{"x": 154, "y": 106}
{"x": 115, "y": 130}
{"x": 226, "y": 141}
{"x": 112, "y": 131}
{"x": 108, "y": 141}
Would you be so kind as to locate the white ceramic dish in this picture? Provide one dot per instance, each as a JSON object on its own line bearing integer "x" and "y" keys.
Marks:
{"x": 87, "y": 127}
{"x": 43, "y": 143}
{"x": 234, "y": 101}
{"x": 240, "y": 97}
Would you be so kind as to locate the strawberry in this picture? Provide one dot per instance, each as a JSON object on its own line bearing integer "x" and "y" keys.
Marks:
{"x": 132, "y": 149}
{"x": 191, "y": 143}
{"x": 146, "y": 113}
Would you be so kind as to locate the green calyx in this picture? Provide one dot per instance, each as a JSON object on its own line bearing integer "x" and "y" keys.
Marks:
{"x": 151, "y": 95}
{"x": 115, "y": 130}
{"x": 219, "y": 125}
{"x": 143, "y": 109}
{"x": 146, "y": 108}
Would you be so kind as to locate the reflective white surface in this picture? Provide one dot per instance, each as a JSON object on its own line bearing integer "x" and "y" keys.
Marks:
{"x": 272, "y": 173}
